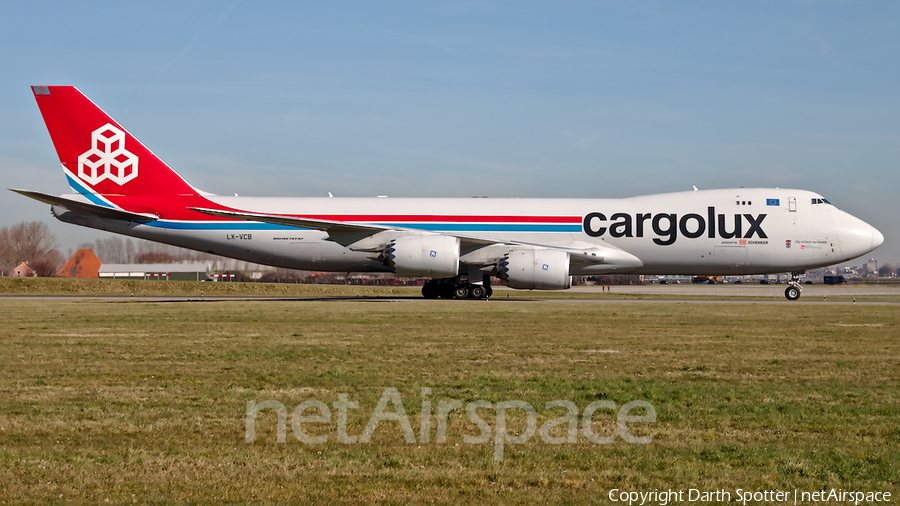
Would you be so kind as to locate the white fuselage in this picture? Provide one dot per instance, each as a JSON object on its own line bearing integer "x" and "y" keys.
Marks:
{"x": 780, "y": 230}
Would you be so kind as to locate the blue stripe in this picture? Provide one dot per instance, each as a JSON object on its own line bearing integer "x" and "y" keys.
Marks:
{"x": 87, "y": 193}
{"x": 434, "y": 227}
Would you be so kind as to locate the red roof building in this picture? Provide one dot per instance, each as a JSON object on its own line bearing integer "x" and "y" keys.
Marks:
{"x": 83, "y": 264}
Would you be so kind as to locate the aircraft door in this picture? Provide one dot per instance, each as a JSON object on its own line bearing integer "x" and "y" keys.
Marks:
{"x": 792, "y": 204}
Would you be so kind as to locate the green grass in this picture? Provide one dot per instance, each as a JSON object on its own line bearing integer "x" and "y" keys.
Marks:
{"x": 138, "y": 288}
{"x": 145, "y": 288}
{"x": 145, "y": 401}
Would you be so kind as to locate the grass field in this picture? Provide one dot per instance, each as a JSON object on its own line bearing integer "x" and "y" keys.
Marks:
{"x": 143, "y": 288}
{"x": 145, "y": 401}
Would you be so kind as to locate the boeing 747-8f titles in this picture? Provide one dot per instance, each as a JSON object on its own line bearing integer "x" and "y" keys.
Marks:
{"x": 121, "y": 186}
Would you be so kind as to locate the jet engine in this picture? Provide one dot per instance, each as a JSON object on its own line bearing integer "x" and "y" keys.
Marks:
{"x": 541, "y": 269}
{"x": 423, "y": 255}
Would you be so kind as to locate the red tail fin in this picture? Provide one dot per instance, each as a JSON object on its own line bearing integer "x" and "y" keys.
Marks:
{"x": 99, "y": 155}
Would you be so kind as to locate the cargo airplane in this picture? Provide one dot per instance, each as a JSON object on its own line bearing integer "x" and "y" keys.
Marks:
{"x": 120, "y": 186}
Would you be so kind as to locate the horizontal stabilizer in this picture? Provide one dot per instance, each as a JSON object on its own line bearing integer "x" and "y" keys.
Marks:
{"x": 84, "y": 207}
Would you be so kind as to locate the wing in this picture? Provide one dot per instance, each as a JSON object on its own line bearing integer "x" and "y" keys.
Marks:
{"x": 292, "y": 221}
{"x": 342, "y": 232}
{"x": 476, "y": 250}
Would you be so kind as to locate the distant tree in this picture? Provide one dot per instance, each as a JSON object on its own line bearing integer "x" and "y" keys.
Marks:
{"x": 7, "y": 252}
{"x": 49, "y": 264}
{"x": 239, "y": 277}
{"x": 885, "y": 270}
{"x": 32, "y": 240}
{"x": 129, "y": 250}
{"x": 155, "y": 257}
{"x": 29, "y": 241}
{"x": 282, "y": 276}
{"x": 110, "y": 250}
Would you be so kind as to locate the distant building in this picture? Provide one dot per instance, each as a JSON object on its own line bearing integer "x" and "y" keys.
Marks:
{"x": 24, "y": 271}
{"x": 83, "y": 264}
{"x": 871, "y": 265}
{"x": 174, "y": 272}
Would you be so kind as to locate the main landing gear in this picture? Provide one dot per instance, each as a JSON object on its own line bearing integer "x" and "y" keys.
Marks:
{"x": 455, "y": 288}
{"x": 792, "y": 292}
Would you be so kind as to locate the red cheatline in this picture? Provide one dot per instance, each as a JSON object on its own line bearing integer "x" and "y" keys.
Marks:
{"x": 441, "y": 218}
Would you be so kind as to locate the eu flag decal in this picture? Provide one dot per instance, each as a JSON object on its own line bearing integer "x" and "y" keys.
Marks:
{"x": 772, "y": 202}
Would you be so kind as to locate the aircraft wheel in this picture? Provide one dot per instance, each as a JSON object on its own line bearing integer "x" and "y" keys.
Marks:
{"x": 478, "y": 292}
{"x": 430, "y": 290}
{"x": 461, "y": 292}
{"x": 792, "y": 293}
{"x": 445, "y": 291}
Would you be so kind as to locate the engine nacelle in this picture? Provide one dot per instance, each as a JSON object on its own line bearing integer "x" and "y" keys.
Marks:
{"x": 424, "y": 256}
{"x": 540, "y": 269}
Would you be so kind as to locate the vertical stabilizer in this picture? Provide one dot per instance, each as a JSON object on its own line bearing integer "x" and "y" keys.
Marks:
{"x": 100, "y": 158}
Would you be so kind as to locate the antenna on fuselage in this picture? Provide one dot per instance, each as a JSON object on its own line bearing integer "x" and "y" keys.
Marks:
{"x": 695, "y": 188}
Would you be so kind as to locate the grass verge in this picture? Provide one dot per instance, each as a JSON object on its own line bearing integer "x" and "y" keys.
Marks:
{"x": 146, "y": 402}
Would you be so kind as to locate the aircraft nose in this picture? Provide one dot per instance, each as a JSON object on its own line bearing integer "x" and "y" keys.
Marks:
{"x": 856, "y": 236}
{"x": 877, "y": 238}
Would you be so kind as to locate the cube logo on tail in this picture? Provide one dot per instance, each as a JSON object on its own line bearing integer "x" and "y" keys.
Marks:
{"x": 107, "y": 158}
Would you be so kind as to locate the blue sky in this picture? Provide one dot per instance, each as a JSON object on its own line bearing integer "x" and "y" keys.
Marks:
{"x": 514, "y": 99}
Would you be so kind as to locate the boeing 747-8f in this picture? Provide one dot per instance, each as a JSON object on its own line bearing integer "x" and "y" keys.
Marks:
{"x": 122, "y": 187}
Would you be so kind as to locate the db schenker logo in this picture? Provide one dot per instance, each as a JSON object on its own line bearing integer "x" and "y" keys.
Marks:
{"x": 107, "y": 158}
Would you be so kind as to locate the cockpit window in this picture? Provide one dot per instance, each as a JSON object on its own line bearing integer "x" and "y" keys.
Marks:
{"x": 820, "y": 201}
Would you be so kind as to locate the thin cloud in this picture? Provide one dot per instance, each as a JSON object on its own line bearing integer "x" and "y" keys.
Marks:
{"x": 203, "y": 31}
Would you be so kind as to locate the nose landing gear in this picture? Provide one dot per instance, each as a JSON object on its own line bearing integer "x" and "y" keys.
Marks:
{"x": 792, "y": 292}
